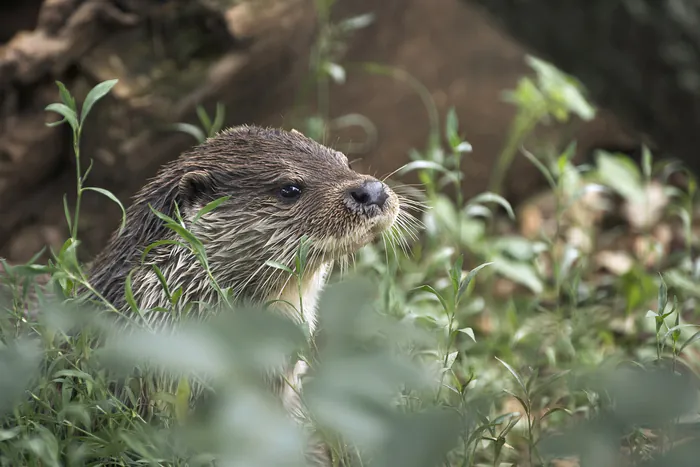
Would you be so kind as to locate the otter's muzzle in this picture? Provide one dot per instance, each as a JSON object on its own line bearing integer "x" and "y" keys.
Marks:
{"x": 370, "y": 193}
{"x": 368, "y": 198}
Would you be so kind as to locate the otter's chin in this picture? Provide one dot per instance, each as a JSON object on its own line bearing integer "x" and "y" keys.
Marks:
{"x": 360, "y": 237}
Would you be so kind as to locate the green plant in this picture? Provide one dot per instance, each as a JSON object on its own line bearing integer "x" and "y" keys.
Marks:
{"x": 69, "y": 111}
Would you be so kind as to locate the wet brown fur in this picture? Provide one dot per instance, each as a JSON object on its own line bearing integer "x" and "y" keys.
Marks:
{"x": 249, "y": 164}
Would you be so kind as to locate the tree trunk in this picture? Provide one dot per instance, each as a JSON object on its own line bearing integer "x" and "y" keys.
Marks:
{"x": 169, "y": 57}
{"x": 640, "y": 60}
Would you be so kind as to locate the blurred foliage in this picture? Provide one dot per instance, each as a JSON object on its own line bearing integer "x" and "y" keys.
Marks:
{"x": 480, "y": 345}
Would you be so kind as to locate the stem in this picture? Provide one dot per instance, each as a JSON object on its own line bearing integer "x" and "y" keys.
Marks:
{"x": 523, "y": 124}
{"x": 78, "y": 181}
{"x": 447, "y": 355}
{"x": 531, "y": 443}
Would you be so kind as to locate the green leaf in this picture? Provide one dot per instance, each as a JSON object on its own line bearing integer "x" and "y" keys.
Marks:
{"x": 470, "y": 277}
{"x": 129, "y": 295}
{"x": 674, "y": 332}
{"x": 10, "y": 433}
{"x": 66, "y": 212}
{"x": 469, "y": 332}
{"x": 620, "y": 174}
{"x": 109, "y": 195}
{"x": 162, "y": 216}
{"x": 74, "y": 374}
{"x": 335, "y": 71}
{"x": 452, "y": 128}
{"x": 451, "y": 360}
{"x": 511, "y": 416}
{"x": 276, "y": 265}
{"x": 218, "y": 119}
{"x": 194, "y": 242}
{"x": 66, "y": 96}
{"x": 557, "y": 409}
{"x": 209, "y": 207}
{"x": 68, "y": 115}
{"x": 515, "y": 374}
{"x": 462, "y": 147}
{"x": 695, "y": 337}
{"x": 429, "y": 289}
{"x": 191, "y": 130}
{"x": 663, "y": 296}
{"x": 422, "y": 165}
{"x": 646, "y": 161}
{"x": 175, "y": 297}
{"x": 356, "y": 22}
{"x": 302, "y": 253}
{"x": 494, "y": 198}
{"x": 520, "y": 272}
{"x": 95, "y": 94}
{"x": 204, "y": 118}
{"x": 87, "y": 171}
{"x": 541, "y": 167}
{"x": 162, "y": 280}
{"x": 182, "y": 399}
{"x": 456, "y": 274}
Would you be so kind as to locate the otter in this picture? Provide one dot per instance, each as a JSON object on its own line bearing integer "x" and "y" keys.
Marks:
{"x": 281, "y": 186}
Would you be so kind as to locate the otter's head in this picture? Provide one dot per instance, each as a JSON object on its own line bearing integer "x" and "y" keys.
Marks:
{"x": 281, "y": 186}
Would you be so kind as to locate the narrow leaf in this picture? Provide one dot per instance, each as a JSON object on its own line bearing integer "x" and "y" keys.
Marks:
{"x": 66, "y": 211}
{"x": 513, "y": 372}
{"x": 204, "y": 118}
{"x": 695, "y": 337}
{"x": 191, "y": 130}
{"x": 541, "y": 167}
{"x": 218, "y": 119}
{"x": 427, "y": 288}
{"x": 663, "y": 296}
{"x": 95, "y": 94}
{"x": 182, "y": 399}
{"x": 276, "y": 265}
{"x": 451, "y": 360}
{"x": 336, "y": 72}
{"x": 451, "y": 128}
{"x": 470, "y": 276}
{"x": 109, "y": 195}
{"x": 646, "y": 161}
{"x": 422, "y": 165}
{"x": 210, "y": 207}
{"x": 494, "y": 198}
{"x": 162, "y": 280}
{"x": 67, "y": 114}
{"x": 469, "y": 332}
{"x": 66, "y": 96}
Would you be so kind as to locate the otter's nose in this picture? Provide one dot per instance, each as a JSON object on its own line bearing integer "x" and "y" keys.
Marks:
{"x": 371, "y": 192}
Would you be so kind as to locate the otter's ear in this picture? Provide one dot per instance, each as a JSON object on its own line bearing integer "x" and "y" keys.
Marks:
{"x": 196, "y": 185}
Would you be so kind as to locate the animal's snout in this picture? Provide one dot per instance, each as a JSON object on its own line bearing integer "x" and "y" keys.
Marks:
{"x": 369, "y": 193}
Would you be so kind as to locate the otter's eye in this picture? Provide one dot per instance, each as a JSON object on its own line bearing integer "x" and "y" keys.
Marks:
{"x": 290, "y": 192}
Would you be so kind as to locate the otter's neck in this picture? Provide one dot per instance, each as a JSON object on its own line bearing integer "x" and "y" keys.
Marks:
{"x": 111, "y": 267}
{"x": 307, "y": 300}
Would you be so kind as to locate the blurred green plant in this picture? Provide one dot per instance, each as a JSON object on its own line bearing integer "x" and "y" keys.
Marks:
{"x": 554, "y": 95}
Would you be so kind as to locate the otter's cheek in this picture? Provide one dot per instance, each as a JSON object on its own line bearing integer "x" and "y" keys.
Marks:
{"x": 385, "y": 221}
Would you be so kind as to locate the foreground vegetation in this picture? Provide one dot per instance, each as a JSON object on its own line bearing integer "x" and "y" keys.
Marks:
{"x": 561, "y": 335}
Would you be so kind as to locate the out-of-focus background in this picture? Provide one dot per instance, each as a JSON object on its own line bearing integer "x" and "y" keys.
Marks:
{"x": 258, "y": 59}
